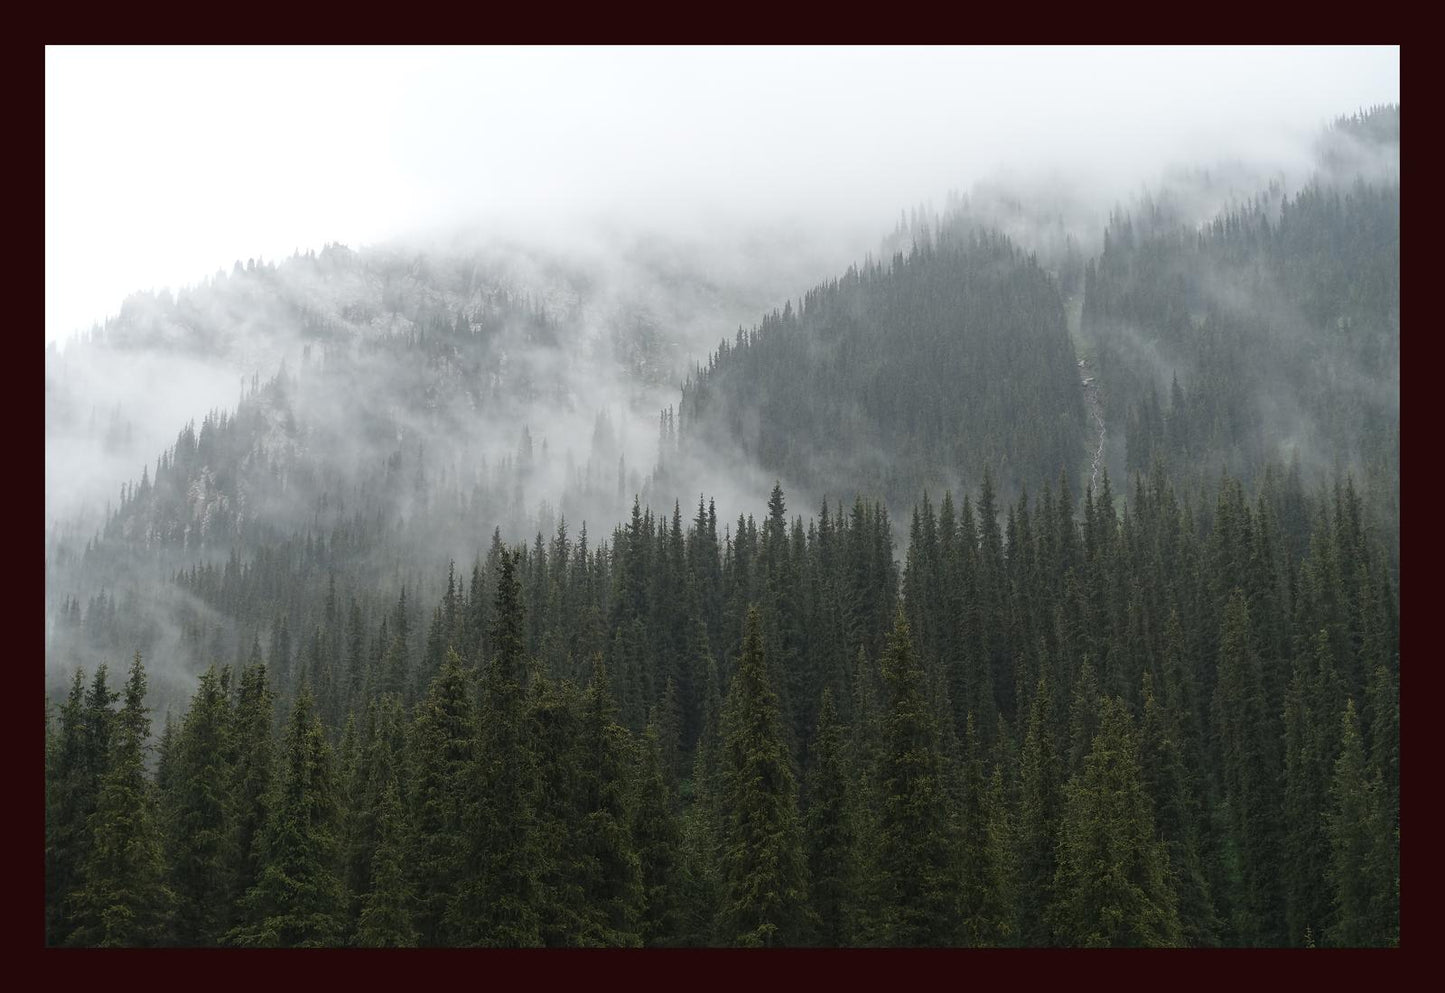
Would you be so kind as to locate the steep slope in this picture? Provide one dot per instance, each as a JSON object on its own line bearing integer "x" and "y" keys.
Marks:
{"x": 917, "y": 375}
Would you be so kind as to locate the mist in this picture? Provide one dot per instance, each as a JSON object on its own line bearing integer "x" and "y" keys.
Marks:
{"x": 163, "y": 165}
{"x": 261, "y": 209}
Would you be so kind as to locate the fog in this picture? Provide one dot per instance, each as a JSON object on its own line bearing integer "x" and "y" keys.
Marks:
{"x": 649, "y": 202}
{"x": 163, "y": 165}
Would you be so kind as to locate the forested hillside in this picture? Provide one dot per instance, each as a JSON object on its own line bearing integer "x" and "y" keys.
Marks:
{"x": 1271, "y": 333}
{"x": 484, "y": 618}
{"x": 778, "y": 739}
{"x": 896, "y": 379}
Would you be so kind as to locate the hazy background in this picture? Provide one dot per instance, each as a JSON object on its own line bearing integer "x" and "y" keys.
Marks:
{"x": 650, "y": 201}
{"x": 163, "y": 165}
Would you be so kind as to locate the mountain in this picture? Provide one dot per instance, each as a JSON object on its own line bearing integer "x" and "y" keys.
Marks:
{"x": 1036, "y": 583}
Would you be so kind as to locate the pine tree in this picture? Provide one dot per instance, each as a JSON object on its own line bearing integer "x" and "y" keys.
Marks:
{"x": 441, "y": 755}
{"x": 122, "y": 899}
{"x": 1313, "y": 706}
{"x": 1113, "y": 883}
{"x": 1360, "y": 863}
{"x": 612, "y": 876}
{"x": 72, "y": 784}
{"x": 200, "y": 808}
{"x": 700, "y": 885}
{"x": 1251, "y": 778}
{"x": 386, "y": 910}
{"x": 1167, "y": 782}
{"x": 829, "y": 831}
{"x": 1040, "y": 808}
{"x": 864, "y": 763}
{"x": 1384, "y": 695}
{"x": 983, "y": 906}
{"x": 252, "y": 777}
{"x": 1001, "y": 852}
{"x": 916, "y": 830}
{"x": 764, "y": 874}
{"x": 554, "y": 717}
{"x": 497, "y": 901}
{"x": 298, "y": 899}
{"x": 657, "y": 835}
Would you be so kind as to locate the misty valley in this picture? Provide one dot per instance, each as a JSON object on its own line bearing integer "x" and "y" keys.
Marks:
{"x": 1026, "y": 576}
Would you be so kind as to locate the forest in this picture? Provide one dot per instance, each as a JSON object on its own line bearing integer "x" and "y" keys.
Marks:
{"x": 373, "y": 659}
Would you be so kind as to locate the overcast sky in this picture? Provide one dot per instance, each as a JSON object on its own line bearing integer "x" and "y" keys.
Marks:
{"x": 163, "y": 165}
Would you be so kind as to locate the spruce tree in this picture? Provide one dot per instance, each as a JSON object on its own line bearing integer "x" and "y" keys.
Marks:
{"x": 298, "y": 900}
{"x": 1251, "y": 779}
{"x": 200, "y": 806}
{"x": 1313, "y": 706}
{"x": 252, "y": 779}
{"x": 441, "y": 752}
{"x": 122, "y": 900}
{"x": 497, "y": 901}
{"x": 611, "y": 874}
{"x": 916, "y": 829}
{"x": 71, "y": 788}
{"x": 1040, "y": 808}
{"x": 1113, "y": 885}
{"x": 1167, "y": 782}
{"x": 1360, "y": 864}
{"x": 829, "y": 831}
{"x": 764, "y": 874}
{"x": 386, "y": 920}
{"x": 982, "y": 905}
{"x": 657, "y": 835}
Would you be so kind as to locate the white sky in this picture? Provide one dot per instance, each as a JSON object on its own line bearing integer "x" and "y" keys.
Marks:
{"x": 164, "y": 164}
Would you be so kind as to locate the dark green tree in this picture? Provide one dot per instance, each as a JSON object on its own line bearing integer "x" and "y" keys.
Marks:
{"x": 1112, "y": 885}
{"x": 1041, "y": 800}
{"x": 441, "y": 753}
{"x": 764, "y": 873}
{"x": 386, "y": 910}
{"x": 1360, "y": 864}
{"x": 200, "y": 831}
{"x": 611, "y": 879}
{"x": 122, "y": 900}
{"x": 831, "y": 856}
{"x": 298, "y": 899}
{"x": 497, "y": 901}
{"x": 657, "y": 834}
{"x": 252, "y": 778}
{"x": 916, "y": 827}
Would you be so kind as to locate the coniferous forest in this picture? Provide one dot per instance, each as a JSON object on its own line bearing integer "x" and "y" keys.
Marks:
{"x": 1057, "y": 601}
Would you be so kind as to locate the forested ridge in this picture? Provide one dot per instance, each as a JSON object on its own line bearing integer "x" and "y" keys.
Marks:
{"x": 1116, "y": 730}
{"x": 399, "y": 672}
{"x": 900, "y": 378}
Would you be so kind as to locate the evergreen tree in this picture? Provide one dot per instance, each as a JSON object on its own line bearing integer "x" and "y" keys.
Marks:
{"x": 1313, "y": 706}
{"x": 386, "y": 910}
{"x": 764, "y": 874}
{"x": 200, "y": 831}
{"x": 298, "y": 899}
{"x": 916, "y": 829}
{"x": 497, "y": 901}
{"x": 1040, "y": 808}
{"x": 72, "y": 784}
{"x": 441, "y": 755}
{"x": 1113, "y": 879}
{"x": 829, "y": 833}
{"x": 612, "y": 876}
{"x": 983, "y": 900}
{"x": 252, "y": 778}
{"x": 658, "y": 836}
{"x": 122, "y": 898}
{"x": 1166, "y": 781}
{"x": 1360, "y": 864}
{"x": 1251, "y": 779}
